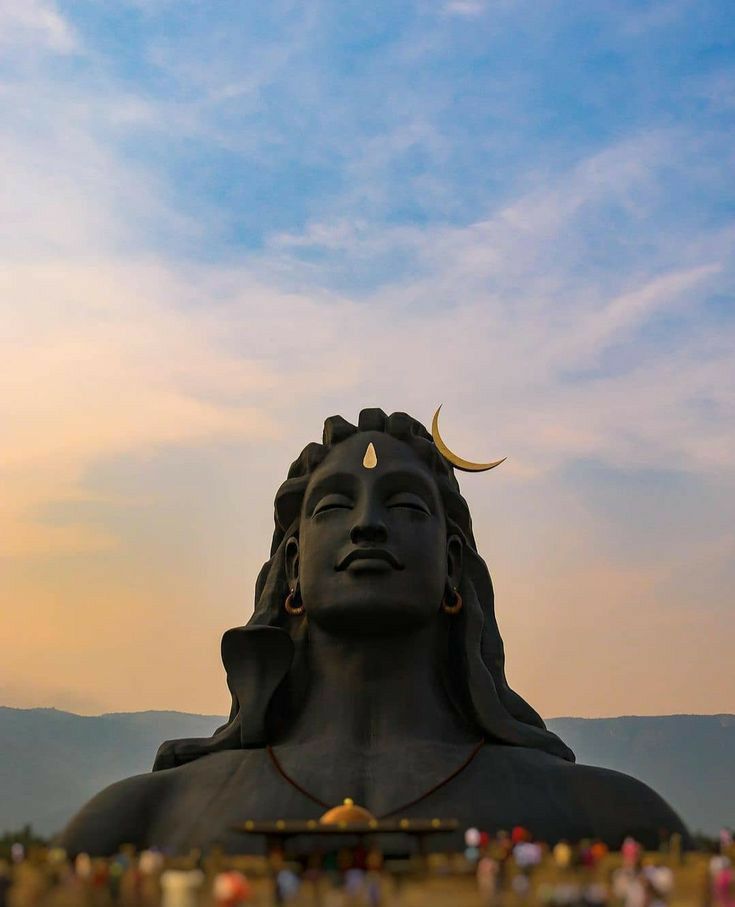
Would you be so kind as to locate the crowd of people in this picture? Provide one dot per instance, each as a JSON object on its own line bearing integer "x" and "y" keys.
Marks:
{"x": 502, "y": 869}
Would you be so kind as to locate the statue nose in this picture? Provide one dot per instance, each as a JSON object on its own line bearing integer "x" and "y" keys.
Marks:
{"x": 372, "y": 531}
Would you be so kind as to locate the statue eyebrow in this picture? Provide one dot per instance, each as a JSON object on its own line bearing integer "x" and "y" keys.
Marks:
{"x": 335, "y": 481}
{"x": 394, "y": 479}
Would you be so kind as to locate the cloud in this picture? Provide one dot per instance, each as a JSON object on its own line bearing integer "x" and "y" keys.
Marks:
{"x": 469, "y": 8}
{"x": 627, "y": 312}
{"x": 655, "y": 15}
{"x": 516, "y": 323}
{"x": 37, "y": 23}
{"x": 135, "y": 355}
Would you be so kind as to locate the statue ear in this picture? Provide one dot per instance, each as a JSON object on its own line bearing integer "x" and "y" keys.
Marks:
{"x": 291, "y": 558}
{"x": 454, "y": 561}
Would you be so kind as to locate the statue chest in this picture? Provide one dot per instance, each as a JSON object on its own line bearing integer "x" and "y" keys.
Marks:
{"x": 209, "y": 798}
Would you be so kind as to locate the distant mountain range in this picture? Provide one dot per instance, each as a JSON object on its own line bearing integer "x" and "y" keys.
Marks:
{"x": 51, "y": 762}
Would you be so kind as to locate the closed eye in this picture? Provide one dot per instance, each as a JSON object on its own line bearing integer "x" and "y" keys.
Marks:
{"x": 332, "y": 502}
{"x": 407, "y": 501}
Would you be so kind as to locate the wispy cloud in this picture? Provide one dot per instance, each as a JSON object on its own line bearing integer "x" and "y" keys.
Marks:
{"x": 36, "y": 22}
{"x": 465, "y": 7}
{"x": 136, "y": 354}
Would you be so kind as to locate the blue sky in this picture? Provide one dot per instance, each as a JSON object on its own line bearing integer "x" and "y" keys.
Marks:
{"x": 222, "y": 222}
{"x": 280, "y": 115}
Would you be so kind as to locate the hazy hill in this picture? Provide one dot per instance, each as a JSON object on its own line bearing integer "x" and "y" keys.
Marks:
{"x": 51, "y": 762}
{"x": 688, "y": 759}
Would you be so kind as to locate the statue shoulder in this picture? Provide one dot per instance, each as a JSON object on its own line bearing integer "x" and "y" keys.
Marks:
{"x": 596, "y": 802}
{"x": 624, "y": 805}
{"x": 119, "y": 814}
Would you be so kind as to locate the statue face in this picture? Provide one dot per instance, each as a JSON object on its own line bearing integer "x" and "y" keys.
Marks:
{"x": 373, "y": 554}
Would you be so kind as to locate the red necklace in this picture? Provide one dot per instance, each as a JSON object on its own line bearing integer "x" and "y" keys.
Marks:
{"x": 302, "y": 790}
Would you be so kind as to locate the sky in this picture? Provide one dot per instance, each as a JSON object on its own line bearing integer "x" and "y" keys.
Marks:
{"x": 221, "y": 223}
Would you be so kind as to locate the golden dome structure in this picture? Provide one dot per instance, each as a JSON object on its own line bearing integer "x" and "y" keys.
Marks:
{"x": 347, "y": 814}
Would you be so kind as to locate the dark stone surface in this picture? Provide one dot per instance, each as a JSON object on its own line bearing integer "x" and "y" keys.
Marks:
{"x": 374, "y": 692}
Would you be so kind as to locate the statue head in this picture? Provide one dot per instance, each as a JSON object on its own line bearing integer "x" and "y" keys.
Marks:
{"x": 372, "y": 552}
{"x": 373, "y": 535}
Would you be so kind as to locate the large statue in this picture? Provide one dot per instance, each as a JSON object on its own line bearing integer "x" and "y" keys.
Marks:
{"x": 373, "y": 669}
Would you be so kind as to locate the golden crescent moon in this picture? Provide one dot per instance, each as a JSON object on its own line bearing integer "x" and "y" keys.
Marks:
{"x": 464, "y": 465}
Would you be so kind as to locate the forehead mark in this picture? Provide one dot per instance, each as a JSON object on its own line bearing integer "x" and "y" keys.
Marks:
{"x": 370, "y": 460}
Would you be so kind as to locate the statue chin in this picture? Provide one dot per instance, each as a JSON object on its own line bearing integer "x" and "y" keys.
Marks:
{"x": 370, "y": 617}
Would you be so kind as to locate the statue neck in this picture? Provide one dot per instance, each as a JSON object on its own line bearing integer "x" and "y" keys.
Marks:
{"x": 371, "y": 691}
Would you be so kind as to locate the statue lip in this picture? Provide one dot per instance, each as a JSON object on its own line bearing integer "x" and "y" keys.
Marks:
{"x": 369, "y": 554}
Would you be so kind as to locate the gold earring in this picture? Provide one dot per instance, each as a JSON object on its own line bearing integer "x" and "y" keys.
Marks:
{"x": 455, "y": 607}
{"x": 289, "y": 603}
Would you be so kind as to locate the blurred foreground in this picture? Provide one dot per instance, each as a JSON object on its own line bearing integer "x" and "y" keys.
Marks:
{"x": 505, "y": 870}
